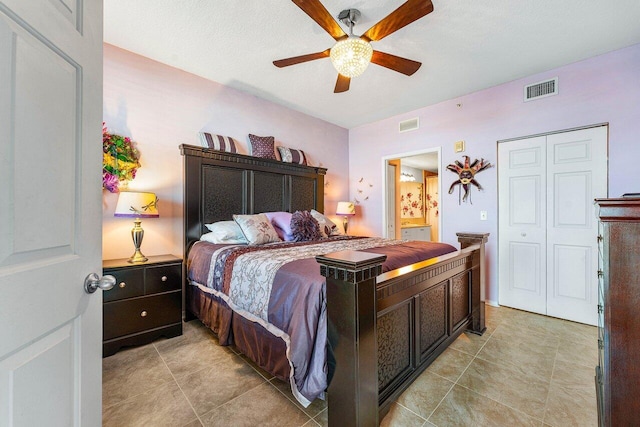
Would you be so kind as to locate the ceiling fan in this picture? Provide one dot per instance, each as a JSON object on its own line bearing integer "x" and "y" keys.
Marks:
{"x": 351, "y": 54}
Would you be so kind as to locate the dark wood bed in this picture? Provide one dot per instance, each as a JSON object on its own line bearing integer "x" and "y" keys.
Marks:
{"x": 407, "y": 316}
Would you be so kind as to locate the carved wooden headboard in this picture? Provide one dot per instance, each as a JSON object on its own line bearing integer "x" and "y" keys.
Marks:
{"x": 219, "y": 184}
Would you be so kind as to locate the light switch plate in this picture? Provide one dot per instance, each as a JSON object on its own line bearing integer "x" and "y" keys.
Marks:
{"x": 483, "y": 215}
{"x": 458, "y": 146}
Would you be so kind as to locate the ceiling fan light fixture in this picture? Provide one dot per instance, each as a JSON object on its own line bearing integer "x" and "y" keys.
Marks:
{"x": 351, "y": 56}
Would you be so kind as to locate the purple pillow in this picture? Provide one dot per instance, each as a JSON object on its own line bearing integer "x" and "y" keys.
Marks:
{"x": 263, "y": 146}
{"x": 304, "y": 227}
{"x": 281, "y": 221}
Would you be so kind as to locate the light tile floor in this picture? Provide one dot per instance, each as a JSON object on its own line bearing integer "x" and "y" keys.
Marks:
{"x": 526, "y": 370}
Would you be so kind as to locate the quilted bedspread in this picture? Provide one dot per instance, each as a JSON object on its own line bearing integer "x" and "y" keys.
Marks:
{"x": 280, "y": 287}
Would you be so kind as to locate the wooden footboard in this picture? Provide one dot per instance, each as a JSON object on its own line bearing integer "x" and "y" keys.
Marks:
{"x": 406, "y": 317}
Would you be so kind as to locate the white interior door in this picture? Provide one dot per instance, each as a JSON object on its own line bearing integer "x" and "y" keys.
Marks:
{"x": 577, "y": 174}
{"x": 547, "y": 228}
{"x": 50, "y": 212}
{"x": 391, "y": 201}
{"x": 522, "y": 224}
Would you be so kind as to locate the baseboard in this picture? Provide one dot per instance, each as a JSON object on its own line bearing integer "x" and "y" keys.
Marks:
{"x": 492, "y": 303}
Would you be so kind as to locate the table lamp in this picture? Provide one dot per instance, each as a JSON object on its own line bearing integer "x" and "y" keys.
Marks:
{"x": 137, "y": 205}
{"x": 346, "y": 209}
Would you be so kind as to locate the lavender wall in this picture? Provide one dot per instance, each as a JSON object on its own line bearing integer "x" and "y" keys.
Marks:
{"x": 598, "y": 90}
{"x": 161, "y": 107}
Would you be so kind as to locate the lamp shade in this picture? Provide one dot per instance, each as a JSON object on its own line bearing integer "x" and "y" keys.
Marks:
{"x": 346, "y": 208}
{"x": 137, "y": 205}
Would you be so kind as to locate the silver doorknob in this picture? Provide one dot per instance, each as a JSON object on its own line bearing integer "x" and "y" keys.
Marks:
{"x": 93, "y": 282}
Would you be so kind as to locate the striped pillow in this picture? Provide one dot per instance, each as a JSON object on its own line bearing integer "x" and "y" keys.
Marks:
{"x": 262, "y": 146}
{"x": 218, "y": 142}
{"x": 290, "y": 155}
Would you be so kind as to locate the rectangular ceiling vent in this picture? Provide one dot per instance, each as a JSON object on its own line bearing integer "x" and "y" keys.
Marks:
{"x": 411, "y": 124}
{"x": 541, "y": 89}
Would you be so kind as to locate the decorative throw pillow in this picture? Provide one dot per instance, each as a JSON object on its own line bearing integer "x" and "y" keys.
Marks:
{"x": 327, "y": 227}
{"x": 304, "y": 227}
{"x": 262, "y": 146}
{"x": 211, "y": 237}
{"x": 257, "y": 229}
{"x": 218, "y": 142}
{"x": 281, "y": 221}
{"x": 225, "y": 232}
{"x": 290, "y": 155}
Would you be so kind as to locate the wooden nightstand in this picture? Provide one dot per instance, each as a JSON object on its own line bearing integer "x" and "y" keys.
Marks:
{"x": 145, "y": 303}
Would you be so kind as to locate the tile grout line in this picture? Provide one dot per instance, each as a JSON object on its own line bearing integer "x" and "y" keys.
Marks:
{"x": 502, "y": 404}
{"x": 486, "y": 397}
{"x": 294, "y": 403}
{"x": 456, "y": 382}
{"x": 178, "y": 384}
{"x": 135, "y": 395}
{"x": 546, "y": 403}
{"x": 236, "y": 397}
{"x": 410, "y": 410}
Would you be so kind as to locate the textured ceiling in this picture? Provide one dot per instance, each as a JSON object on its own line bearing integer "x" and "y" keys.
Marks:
{"x": 464, "y": 46}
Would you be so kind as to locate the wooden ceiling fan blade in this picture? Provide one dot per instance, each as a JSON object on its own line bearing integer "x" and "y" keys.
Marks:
{"x": 410, "y": 11}
{"x": 395, "y": 63}
{"x": 300, "y": 59}
{"x": 342, "y": 84}
{"x": 321, "y": 15}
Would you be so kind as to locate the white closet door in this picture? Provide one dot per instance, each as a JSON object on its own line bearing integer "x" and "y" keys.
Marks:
{"x": 547, "y": 228}
{"x": 576, "y": 174}
{"x": 522, "y": 224}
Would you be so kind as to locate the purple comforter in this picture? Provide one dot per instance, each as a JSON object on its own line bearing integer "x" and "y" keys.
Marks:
{"x": 297, "y": 302}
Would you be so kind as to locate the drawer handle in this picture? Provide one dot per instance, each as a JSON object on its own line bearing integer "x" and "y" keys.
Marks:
{"x": 122, "y": 285}
{"x": 164, "y": 278}
{"x": 143, "y": 314}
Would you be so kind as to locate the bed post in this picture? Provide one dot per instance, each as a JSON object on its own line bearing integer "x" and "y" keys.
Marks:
{"x": 477, "y": 279}
{"x": 352, "y": 337}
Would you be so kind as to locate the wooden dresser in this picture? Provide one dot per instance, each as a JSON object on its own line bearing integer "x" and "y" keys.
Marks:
{"x": 145, "y": 303}
{"x": 618, "y": 370}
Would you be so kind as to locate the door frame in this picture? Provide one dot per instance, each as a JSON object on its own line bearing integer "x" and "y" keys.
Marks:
{"x": 399, "y": 156}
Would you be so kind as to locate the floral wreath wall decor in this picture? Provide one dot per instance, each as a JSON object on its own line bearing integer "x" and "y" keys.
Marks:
{"x": 120, "y": 160}
{"x": 466, "y": 176}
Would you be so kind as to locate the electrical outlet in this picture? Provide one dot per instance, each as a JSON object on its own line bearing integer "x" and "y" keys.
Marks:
{"x": 483, "y": 215}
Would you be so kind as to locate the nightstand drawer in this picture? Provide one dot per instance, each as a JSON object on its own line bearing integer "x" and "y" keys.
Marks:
{"x": 140, "y": 314}
{"x": 163, "y": 278}
{"x": 129, "y": 283}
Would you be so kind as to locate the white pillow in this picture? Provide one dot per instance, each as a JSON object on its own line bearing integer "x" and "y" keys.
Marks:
{"x": 257, "y": 229}
{"x": 327, "y": 227}
{"x": 212, "y": 238}
{"x": 225, "y": 232}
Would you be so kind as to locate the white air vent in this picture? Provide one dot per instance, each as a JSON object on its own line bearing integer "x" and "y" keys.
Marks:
{"x": 411, "y": 124}
{"x": 541, "y": 89}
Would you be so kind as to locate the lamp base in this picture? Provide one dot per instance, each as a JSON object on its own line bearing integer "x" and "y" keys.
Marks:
{"x": 137, "y": 233}
{"x": 345, "y": 224}
{"x": 137, "y": 257}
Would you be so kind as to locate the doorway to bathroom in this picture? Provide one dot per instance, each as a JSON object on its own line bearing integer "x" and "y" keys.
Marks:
{"x": 412, "y": 195}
